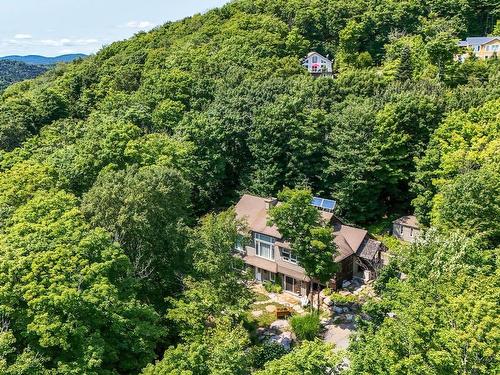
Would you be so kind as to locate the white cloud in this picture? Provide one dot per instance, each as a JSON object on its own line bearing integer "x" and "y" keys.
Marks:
{"x": 55, "y": 42}
{"x": 67, "y": 51}
{"x": 140, "y": 25}
{"x": 50, "y": 47}
{"x": 23, "y": 36}
{"x": 66, "y": 42}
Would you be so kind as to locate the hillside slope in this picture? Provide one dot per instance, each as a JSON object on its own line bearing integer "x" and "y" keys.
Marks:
{"x": 109, "y": 164}
{"x": 231, "y": 78}
{"x": 12, "y": 71}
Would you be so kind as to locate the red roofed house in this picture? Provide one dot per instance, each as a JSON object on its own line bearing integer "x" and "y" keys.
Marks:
{"x": 271, "y": 258}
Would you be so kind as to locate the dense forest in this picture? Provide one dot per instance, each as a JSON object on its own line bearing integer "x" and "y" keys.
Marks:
{"x": 14, "y": 71}
{"x": 118, "y": 173}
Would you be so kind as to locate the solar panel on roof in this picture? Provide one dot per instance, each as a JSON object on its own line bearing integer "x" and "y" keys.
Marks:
{"x": 328, "y": 204}
{"x": 324, "y": 204}
{"x": 317, "y": 202}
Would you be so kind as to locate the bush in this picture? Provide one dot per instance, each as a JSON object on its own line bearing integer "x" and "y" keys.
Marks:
{"x": 327, "y": 292}
{"x": 266, "y": 352}
{"x": 388, "y": 273}
{"x": 339, "y": 299}
{"x": 271, "y": 287}
{"x": 306, "y": 327}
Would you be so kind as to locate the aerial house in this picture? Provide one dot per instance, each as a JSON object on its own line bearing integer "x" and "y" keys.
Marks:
{"x": 318, "y": 64}
{"x": 271, "y": 258}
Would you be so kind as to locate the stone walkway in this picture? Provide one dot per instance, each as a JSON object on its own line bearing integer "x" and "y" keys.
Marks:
{"x": 338, "y": 335}
{"x": 337, "y": 329}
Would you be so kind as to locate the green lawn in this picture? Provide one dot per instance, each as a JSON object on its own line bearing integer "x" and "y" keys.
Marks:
{"x": 259, "y": 297}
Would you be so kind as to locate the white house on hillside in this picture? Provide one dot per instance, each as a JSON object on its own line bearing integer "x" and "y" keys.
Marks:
{"x": 317, "y": 63}
{"x": 481, "y": 47}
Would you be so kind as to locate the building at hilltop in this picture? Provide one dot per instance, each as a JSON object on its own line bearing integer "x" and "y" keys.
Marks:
{"x": 318, "y": 64}
{"x": 481, "y": 47}
{"x": 271, "y": 258}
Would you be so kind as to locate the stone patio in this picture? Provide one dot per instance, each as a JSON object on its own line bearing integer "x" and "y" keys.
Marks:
{"x": 285, "y": 299}
{"x": 338, "y": 335}
{"x": 337, "y": 328}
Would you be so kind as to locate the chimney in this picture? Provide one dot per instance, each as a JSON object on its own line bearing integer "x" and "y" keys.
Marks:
{"x": 270, "y": 203}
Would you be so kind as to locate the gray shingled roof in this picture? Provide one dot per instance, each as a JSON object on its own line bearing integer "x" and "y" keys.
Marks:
{"x": 317, "y": 53}
{"x": 369, "y": 249}
{"x": 476, "y": 40}
{"x": 408, "y": 221}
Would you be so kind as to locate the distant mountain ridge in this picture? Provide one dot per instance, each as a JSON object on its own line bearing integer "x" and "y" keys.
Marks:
{"x": 43, "y": 60}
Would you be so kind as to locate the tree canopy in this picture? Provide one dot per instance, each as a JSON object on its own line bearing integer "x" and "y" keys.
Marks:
{"x": 118, "y": 172}
{"x": 444, "y": 315}
{"x": 311, "y": 240}
{"x": 15, "y": 71}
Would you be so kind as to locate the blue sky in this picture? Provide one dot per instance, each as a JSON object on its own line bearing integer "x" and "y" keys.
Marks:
{"x": 54, "y": 27}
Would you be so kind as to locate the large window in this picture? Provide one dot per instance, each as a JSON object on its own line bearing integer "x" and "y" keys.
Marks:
{"x": 264, "y": 246}
{"x": 288, "y": 256}
{"x": 264, "y": 275}
{"x": 315, "y": 59}
{"x": 292, "y": 285}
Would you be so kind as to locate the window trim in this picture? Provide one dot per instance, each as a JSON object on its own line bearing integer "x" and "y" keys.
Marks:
{"x": 258, "y": 241}
{"x": 290, "y": 257}
{"x": 295, "y": 283}
{"x": 261, "y": 271}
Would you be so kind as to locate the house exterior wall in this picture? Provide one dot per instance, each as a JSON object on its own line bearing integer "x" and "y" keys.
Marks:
{"x": 405, "y": 233}
{"x": 282, "y": 268}
{"x": 316, "y": 63}
{"x": 278, "y": 266}
{"x": 346, "y": 271}
{"x": 252, "y": 259}
{"x": 489, "y": 50}
{"x": 484, "y": 51}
